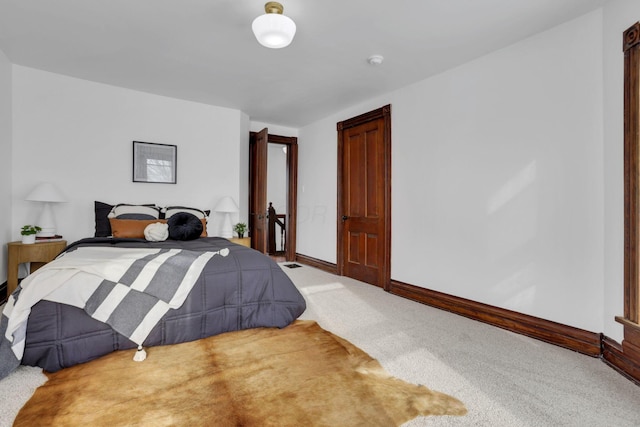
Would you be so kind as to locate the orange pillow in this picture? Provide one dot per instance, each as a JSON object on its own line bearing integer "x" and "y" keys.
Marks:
{"x": 131, "y": 228}
{"x": 204, "y": 227}
{"x": 134, "y": 228}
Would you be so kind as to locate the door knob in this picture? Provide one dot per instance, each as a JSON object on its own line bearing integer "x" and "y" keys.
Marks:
{"x": 344, "y": 217}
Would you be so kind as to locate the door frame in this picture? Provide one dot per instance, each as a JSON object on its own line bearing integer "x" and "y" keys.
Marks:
{"x": 384, "y": 113}
{"x": 292, "y": 187}
{"x": 626, "y": 357}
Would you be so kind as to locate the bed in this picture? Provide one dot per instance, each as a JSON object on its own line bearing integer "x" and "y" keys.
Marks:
{"x": 237, "y": 288}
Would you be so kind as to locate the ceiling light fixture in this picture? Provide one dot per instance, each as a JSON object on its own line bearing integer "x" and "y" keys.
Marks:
{"x": 273, "y": 29}
{"x": 375, "y": 59}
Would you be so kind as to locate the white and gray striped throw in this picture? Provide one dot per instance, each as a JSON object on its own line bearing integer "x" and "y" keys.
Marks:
{"x": 130, "y": 289}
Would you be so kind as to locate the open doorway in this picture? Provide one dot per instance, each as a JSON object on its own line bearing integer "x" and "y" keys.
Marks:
{"x": 277, "y": 192}
{"x": 273, "y": 176}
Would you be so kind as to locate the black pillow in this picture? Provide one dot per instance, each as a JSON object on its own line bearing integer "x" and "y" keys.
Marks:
{"x": 184, "y": 226}
{"x": 103, "y": 227}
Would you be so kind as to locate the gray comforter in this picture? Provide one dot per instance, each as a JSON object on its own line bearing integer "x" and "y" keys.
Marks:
{"x": 248, "y": 290}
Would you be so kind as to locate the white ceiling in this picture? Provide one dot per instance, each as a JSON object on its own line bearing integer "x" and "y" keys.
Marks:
{"x": 204, "y": 50}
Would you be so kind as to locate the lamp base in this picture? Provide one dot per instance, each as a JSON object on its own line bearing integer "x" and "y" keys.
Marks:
{"x": 227, "y": 229}
{"x": 47, "y": 232}
{"x": 46, "y": 222}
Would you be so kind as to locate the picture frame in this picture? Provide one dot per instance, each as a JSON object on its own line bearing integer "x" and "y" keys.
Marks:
{"x": 155, "y": 163}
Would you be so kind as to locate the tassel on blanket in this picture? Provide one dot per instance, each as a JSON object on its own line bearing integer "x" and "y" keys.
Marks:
{"x": 140, "y": 355}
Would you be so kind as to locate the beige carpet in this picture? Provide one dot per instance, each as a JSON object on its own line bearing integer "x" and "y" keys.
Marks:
{"x": 301, "y": 375}
{"x": 504, "y": 380}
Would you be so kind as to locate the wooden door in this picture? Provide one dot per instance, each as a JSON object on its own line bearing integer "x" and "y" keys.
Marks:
{"x": 364, "y": 197}
{"x": 258, "y": 191}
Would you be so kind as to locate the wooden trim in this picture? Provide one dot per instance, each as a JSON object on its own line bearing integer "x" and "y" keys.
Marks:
{"x": 631, "y": 342}
{"x": 631, "y": 47}
{"x": 615, "y": 356}
{"x": 279, "y": 139}
{"x": 631, "y": 37}
{"x": 292, "y": 199}
{"x": 585, "y": 342}
{"x": 629, "y": 324}
{"x": 554, "y": 333}
{"x": 386, "y": 113}
{"x": 626, "y": 357}
{"x": 340, "y": 203}
{"x": 317, "y": 263}
{"x": 364, "y": 118}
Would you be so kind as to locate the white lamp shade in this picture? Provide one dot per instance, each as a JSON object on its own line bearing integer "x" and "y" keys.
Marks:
{"x": 226, "y": 204}
{"x": 274, "y": 30}
{"x": 46, "y": 192}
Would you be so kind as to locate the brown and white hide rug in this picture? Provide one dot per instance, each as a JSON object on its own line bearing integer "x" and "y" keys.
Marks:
{"x": 301, "y": 375}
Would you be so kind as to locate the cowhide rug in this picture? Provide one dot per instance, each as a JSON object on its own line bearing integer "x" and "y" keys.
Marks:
{"x": 301, "y": 375}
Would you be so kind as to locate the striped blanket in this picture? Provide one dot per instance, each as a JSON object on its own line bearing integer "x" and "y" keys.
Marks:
{"x": 130, "y": 289}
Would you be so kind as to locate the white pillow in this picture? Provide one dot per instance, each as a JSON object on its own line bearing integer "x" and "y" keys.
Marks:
{"x": 156, "y": 232}
{"x": 125, "y": 211}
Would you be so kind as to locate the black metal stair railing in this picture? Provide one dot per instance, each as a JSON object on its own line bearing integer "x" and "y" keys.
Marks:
{"x": 280, "y": 221}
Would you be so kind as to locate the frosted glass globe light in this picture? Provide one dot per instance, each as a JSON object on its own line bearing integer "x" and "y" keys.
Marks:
{"x": 273, "y": 29}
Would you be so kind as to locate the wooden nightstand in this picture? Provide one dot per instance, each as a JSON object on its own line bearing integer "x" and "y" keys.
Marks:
{"x": 245, "y": 241}
{"x": 38, "y": 254}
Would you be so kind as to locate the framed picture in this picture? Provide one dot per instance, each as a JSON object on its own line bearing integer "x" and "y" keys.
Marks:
{"x": 154, "y": 162}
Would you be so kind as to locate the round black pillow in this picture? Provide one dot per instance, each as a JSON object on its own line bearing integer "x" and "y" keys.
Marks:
{"x": 184, "y": 226}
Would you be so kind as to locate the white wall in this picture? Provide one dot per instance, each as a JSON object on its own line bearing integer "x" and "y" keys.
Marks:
{"x": 497, "y": 178}
{"x": 243, "y": 201}
{"x": 273, "y": 129}
{"x": 78, "y": 135}
{"x": 5, "y": 161}
{"x": 317, "y": 178}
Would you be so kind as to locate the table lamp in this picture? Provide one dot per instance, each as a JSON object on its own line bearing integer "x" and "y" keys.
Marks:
{"x": 226, "y": 206}
{"x": 47, "y": 193}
